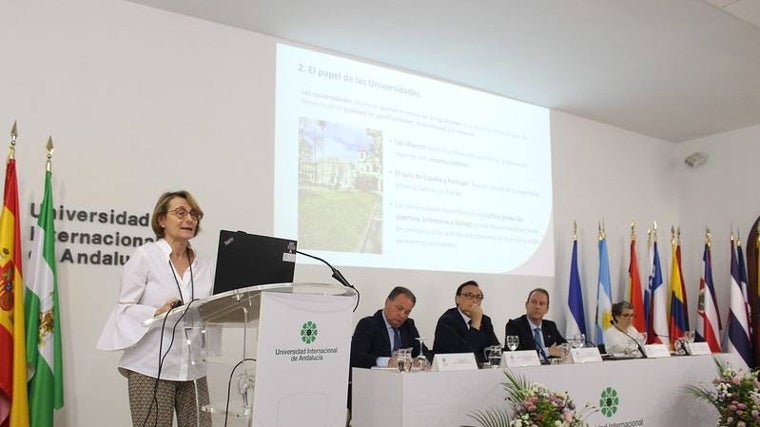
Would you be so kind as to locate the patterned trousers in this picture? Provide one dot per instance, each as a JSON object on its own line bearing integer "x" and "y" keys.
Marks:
{"x": 151, "y": 406}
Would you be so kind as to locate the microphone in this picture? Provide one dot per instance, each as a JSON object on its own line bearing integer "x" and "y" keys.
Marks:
{"x": 335, "y": 273}
{"x": 643, "y": 353}
{"x": 456, "y": 334}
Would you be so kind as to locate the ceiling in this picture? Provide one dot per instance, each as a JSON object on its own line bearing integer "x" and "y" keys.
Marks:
{"x": 672, "y": 69}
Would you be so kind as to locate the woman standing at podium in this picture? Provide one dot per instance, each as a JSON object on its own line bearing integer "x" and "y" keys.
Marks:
{"x": 159, "y": 276}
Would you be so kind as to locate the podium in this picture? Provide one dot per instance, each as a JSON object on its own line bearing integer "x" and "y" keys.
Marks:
{"x": 274, "y": 354}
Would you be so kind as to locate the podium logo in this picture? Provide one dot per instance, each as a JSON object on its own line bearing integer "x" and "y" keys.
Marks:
{"x": 309, "y": 332}
{"x": 609, "y": 402}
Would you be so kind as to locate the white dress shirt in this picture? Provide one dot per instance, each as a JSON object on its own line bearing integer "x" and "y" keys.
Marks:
{"x": 148, "y": 281}
{"x": 616, "y": 342}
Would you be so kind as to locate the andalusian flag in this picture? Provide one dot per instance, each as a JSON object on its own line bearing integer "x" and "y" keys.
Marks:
{"x": 43, "y": 337}
{"x": 14, "y": 407}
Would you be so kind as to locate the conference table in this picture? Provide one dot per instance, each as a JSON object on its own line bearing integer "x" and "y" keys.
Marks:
{"x": 649, "y": 392}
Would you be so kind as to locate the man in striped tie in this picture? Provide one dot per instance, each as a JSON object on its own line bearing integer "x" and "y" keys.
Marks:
{"x": 535, "y": 332}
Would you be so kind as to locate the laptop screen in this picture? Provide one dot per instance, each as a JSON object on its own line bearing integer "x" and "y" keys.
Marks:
{"x": 245, "y": 260}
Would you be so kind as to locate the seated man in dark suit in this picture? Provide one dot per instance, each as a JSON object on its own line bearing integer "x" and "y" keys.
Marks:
{"x": 532, "y": 327}
{"x": 464, "y": 328}
{"x": 376, "y": 337}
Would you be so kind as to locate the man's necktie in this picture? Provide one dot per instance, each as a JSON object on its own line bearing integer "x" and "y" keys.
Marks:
{"x": 537, "y": 337}
{"x": 396, "y": 339}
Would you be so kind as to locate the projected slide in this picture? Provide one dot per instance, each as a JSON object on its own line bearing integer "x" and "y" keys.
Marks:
{"x": 379, "y": 168}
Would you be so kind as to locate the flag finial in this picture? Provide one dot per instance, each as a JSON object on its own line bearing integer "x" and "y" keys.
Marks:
{"x": 575, "y": 230}
{"x": 50, "y": 150}
{"x": 673, "y": 235}
{"x": 12, "y": 147}
{"x": 633, "y": 231}
{"x": 738, "y": 237}
{"x": 708, "y": 236}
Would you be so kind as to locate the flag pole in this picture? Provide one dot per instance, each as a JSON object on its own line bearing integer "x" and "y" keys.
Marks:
{"x": 50, "y": 149}
{"x": 12, "y": 147}
{"x": 575, "y": 230}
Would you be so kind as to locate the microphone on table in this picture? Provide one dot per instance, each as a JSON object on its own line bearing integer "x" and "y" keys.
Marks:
{"x": 643, "y": 353}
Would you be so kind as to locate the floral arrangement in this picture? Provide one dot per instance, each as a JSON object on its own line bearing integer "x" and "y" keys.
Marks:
{"x": 534, "y": 405}
{"x": 735, "y": 394}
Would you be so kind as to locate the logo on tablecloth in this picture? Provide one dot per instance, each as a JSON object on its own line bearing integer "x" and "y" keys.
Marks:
{"x": 309, "y": 332}
{"x": 609, "y": 401}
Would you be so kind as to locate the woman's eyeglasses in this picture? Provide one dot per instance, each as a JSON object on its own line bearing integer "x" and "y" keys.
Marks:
{"x": 181, "y": 213}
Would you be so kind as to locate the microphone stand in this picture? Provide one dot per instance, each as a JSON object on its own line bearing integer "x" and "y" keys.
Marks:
{"x": 336, "y": 274}
{"x": 641, "y": 350}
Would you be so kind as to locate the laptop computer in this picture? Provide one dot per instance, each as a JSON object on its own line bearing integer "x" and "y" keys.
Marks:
{"x": 245, "y": 260}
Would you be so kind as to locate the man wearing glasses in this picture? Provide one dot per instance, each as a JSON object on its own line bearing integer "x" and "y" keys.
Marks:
{"x": 535, "y": 332}
{"x": 464, "y": 328}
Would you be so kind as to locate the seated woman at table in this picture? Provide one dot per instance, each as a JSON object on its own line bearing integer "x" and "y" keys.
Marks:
{"x": 622, "y": 336}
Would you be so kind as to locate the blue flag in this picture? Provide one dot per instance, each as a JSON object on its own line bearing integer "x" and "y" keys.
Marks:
{"x": 738, "y": 320}
{"x": 577, "y": 322}
{"x": 603, "y": 293}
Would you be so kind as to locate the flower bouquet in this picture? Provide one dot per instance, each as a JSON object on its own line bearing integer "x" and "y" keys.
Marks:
{"x": 735, "y": 394}
{"x": 534, "y": 404}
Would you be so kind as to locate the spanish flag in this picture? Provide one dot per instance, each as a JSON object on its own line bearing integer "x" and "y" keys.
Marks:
{"x": 14, "y": 406}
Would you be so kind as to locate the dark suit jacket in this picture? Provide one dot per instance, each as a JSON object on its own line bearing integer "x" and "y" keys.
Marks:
{"x": 521, "y": 328}
{"x": 370, "y": 340}
{"x": 452, "y": 335}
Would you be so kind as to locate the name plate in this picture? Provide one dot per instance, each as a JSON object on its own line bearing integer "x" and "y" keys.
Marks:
{"x": 655, "y": 351}
{"x": 698, "y": 349}
{"x": 585, "y": 355}
{"x": 454, "y": 362}
{"x": 513, "y": 359}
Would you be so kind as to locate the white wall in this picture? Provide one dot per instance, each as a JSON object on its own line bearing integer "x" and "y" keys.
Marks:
{"x": 602, "y": 173}
{"x": 720, "y": 195}
{"x": 140, "y": 101}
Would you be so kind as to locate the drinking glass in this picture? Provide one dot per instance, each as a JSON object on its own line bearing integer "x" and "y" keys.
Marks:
{"x": 579, "y": 340}
{"x": 246, "y": 384}
{"x": 513, "y": 341}
{"x": 680, "y": 346}
{"x": 403, "y": 359}
{"x": 420, "y": 363}
{"x": 688, "y": 339}
{"x": 493, "y": 356}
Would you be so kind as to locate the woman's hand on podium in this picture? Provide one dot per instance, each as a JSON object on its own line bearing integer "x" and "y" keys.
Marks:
{"x": 168, "y": 305}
